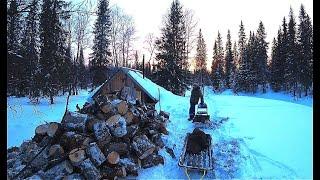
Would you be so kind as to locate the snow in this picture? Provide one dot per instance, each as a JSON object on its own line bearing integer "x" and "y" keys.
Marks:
{"x": 267, "y": 136}
{"x": 23, "y": 117}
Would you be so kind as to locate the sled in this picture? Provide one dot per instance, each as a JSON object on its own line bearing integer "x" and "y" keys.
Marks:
{"x": 202, "y": 115}
{"x": 198, "y": 162}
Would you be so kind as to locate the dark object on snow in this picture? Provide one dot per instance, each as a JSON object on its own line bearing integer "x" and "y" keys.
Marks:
{"x": 196, "y": 94}
{"x": 198, "y": 141}
{"x": 170, "y": 151}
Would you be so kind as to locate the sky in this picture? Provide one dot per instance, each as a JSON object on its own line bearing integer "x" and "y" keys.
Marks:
{"x": 213, "y": 16}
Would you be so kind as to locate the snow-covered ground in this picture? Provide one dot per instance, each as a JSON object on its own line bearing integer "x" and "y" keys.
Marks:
{"x": 263, "y": 138}
{"x": 23, "y": 117}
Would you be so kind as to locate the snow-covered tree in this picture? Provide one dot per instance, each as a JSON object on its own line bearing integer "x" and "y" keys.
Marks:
{"x": 261, "y": 57}
{"x": 229, "y": 63}
{"x": 201, "y": 55}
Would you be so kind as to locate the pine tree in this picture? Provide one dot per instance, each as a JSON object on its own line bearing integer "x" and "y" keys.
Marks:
{"x": 291, "y": 56}
{"x": 201, "y": 57}
{"x": 53, "y": 47}
{"x": 172, "y": 52}
{"x": 29, "y": 45}
{"x": 217, "y": 69}
{"x": 100, "y": 58}
{"x": 14, "y": 59}
{"x": 82, "y": 70}
{"x": 229, "y": 62}
{"x": 252, "y": 65}
{"x": 277, "y": 64}
{"x": 239, "y": 84}
{"x": 235, "y": 55}
{"x": 305, "y": 38}
{"x": 261, "y": 57}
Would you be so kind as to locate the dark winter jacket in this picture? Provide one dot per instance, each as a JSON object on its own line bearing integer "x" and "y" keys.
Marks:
{"x": 196, "y": 94}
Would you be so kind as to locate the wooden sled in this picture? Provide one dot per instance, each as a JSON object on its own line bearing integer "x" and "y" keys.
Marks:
{"x": 199, "y": 162}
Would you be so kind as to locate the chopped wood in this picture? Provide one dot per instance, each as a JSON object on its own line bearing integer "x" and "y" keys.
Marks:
{"x": 59, "y": 171}
{"x": 74, "y": 117}
{"x": 131, "y": 167}
{"x": 106, "y": 107}
{"x": 157, "y": 140}
{"x": 121, "y": 106}
{"x": 71, "y": 140}
{"x": 90, "y": 122}
{"x": 89, "y": 170}
{"x": 117, "y": 125}
{"x": 113, "y": 157}
{"x": 164, "y": 114}
{"x": 56, "y": 151}
{"x": 42, "y": 129}
{"x": 76, "y": 156}
{"x": 121, "y": 148}
{"x": 101, "y": 133}
{"x": 78, "y": 127}
{"x": 87, "y": 141}
{"x": 142, "y": 146}
{"x": 152, "y": 160}
{"x": 95, "y": 154}
{"x": 132, "y": 130}
{"x": 54, "y": 129}
{"x": 112, "y": 173}
{"x": 74, "y": 176}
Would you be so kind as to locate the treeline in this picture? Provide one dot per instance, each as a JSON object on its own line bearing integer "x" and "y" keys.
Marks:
{"x": 242, "y": 66}
{"x": 46, "y": 41}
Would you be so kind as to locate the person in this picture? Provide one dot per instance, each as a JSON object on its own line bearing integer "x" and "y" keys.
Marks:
{"x": 196, "y": 94}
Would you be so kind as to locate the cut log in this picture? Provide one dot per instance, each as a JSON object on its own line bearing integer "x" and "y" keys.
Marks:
{"x": 112, "y": 173}
{"x": 164, "y": 114}
{"x": 42, "y": 129}
{"x": 152, "y": 160}
{"x": 121, "y": 106}
{"x": 89, "y": 170}
{"x": 106, "y": 107}
{"x": 74, "y": 117}
{"x": 90, "y": 122}
{"x": 40, "y": 133}
{"x": 76, "y": 156}
{"x": 59, "y": 171}
{"x": 95, "y": 154}
{"x": 117, "y": 125}
{"x": 157, "y": 140}
{"x": 121, "y": 148}
{"x": 71, "y": 140}
{"x": 74, "y": 176}
{"x": 142, "y": 146}
{"x": 56, "y": 151}
{"x": 132, "y": 130}
{"x": 113, "y": 157}
{"x": 87, "y": 141}
{"x": 128, "y": 117}
{"x": 131, "y": 167}
{"x": 78, "y": 127}
{"x": 54, "y": 129}
{"x": 101, "y": 133}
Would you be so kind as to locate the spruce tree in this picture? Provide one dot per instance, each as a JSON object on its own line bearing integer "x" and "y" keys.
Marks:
{"x": 305, "y": 38}
{"x": 229, "y": 62}
{"x": 291, "y": 70}
{"x": 14, "y": 58}
{"x": 100, "y": 57}
{"x": 261, "y": 57}
{"x": 82, "y": 70}
{"x": 172, "y": 52}
{"x": 217, "y": 69}
{"x": 29, "y": 45}
{"x": 239, "y": 84}
{"x": 53, "y": 46}
{"x": 201, "y": 57}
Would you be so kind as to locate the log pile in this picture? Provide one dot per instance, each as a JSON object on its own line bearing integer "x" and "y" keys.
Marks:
{"x": 106, "y": 139}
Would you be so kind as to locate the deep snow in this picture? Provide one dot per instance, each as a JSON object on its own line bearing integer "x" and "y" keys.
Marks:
{"x": 263, "y": 138}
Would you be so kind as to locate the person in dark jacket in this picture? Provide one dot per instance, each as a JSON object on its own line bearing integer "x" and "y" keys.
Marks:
{"x": 196, "y": 94}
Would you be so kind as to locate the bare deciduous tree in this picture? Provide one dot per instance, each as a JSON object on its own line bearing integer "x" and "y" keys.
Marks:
{"x": 191, "y": 24}
{"x": 150, "y": 45}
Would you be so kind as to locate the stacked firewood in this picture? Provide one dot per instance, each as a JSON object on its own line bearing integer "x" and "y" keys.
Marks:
{"x": 106, "y": 139}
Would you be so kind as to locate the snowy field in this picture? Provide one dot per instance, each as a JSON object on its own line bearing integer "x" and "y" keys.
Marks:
{"x": 266, "y": 136}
